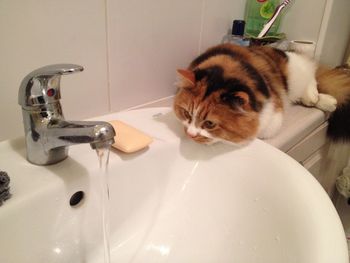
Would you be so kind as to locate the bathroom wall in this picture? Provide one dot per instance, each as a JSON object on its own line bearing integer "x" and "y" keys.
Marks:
{"x": 149, "y": 40}
{"x": 35, "y": 33}
{"x": 130, "y": 49}
{"x": 303, "y": 19}
{"x": 337, "y": 33}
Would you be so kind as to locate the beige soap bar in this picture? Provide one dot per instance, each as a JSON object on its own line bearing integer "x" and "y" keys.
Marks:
{"x": 129, "y": 139}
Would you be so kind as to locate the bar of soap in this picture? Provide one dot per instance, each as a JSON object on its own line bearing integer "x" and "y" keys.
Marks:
{"x": 129, "y": 139}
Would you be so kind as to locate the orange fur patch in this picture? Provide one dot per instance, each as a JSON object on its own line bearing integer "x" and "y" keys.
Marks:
{"x": 335, "y": 82}
{"x": 233, "y": 124}
{"x": 187, "y": 75}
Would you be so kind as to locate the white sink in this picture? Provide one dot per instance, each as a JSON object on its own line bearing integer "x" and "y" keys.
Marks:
{"x": 176, "y": 201}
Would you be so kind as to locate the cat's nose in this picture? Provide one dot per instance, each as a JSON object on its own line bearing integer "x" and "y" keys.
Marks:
{"x": 191, "y": 134}
{"x": 191, "y": 131}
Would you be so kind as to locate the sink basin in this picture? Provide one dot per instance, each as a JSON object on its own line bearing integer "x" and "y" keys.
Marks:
{"x": 176, "y": 201}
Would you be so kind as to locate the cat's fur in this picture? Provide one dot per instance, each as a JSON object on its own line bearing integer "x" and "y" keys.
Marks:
{"x": 235, "y": 94}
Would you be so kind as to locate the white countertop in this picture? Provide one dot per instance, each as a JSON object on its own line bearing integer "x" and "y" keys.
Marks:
{"x": 299, "y": 121}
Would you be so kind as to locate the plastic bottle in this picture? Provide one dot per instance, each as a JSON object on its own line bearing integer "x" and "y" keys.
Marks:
{"x": 236, "y": 37}
{"x": 257, "y": 13}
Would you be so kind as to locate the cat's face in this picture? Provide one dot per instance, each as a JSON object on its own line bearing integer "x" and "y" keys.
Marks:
{"x": 220, "y": 116}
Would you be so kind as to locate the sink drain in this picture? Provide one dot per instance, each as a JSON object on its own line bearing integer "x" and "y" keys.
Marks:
{"x": 76, "y": 198}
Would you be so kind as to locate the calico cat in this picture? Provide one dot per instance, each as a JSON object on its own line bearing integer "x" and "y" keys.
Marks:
{"x": 235, "y": 94}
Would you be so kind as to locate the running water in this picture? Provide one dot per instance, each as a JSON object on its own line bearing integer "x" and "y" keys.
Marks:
{"x": 103, "y": 155}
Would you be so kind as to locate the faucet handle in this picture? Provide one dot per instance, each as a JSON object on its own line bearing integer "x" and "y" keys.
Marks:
{"x": 42, "y": 86}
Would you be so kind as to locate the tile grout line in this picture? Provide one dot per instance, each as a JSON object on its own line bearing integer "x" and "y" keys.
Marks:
{"x": 323, "y": 28}
{"x": 201, "y": 27}
{"x": 107, "y": 58}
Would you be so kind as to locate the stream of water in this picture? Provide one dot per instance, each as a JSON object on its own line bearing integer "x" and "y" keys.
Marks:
{"x": 103, "y": 155}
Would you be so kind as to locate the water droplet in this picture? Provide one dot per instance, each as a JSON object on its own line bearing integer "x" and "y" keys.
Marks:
{"x": 57, "y": 250}
{"x": 278, "y": 238}
{"x": 157, "y": 115}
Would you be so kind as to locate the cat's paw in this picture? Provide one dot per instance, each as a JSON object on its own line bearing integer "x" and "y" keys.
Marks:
{"x": 326, "y": 102}
{"x": 310, "y": 96}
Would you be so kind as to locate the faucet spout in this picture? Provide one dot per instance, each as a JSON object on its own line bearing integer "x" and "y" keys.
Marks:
{"x": 66, "y": 133}
{"x": 48, "y": 138}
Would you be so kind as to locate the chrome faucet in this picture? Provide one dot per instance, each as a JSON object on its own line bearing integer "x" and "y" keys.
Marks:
{"x": 47, "y": 133}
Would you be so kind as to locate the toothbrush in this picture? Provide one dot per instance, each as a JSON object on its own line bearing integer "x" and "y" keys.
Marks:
{"x": 268, "y": 25}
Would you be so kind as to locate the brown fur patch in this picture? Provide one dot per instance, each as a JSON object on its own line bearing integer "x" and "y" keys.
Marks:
{"x": 267, "y": 61}
{"x": 334, "y": 82}
{"x": 232, "y": 125}
{"x": 256, "y": 69}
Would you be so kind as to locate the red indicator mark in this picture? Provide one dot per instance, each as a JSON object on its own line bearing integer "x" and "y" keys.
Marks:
{"x": 50, "y": 92}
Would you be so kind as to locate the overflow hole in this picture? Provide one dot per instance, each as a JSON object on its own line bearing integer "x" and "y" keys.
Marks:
{"x": 76, "y": 198}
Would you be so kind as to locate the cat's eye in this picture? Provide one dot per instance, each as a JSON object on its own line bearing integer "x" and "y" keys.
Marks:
{"x": 187, "y": 115}
{"x": 209, "y": 125}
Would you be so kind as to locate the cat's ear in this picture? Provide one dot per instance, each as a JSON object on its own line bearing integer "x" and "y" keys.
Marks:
{"x": 187, "y": 76}
{"x": 237, "y": 100}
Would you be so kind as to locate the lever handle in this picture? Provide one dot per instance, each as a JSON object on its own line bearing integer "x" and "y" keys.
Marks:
{"x": 56, "y": 69}
{"x": 42, "y": 86}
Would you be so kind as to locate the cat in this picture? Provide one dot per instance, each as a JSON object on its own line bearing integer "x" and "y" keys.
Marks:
{"x": 236, "y": 94}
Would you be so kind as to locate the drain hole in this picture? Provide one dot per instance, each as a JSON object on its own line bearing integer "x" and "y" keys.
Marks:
{"x": 76, "y": 198}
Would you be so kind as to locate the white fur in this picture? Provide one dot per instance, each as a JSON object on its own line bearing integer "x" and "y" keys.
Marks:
{"x": 270, "y": 121}
{"x": 326, "y": 102}
{"x": 310, "y": 95}
{"x": 301, "y": 75}
{"x": 302, "y": 84}
{"x": 193, "y": 130}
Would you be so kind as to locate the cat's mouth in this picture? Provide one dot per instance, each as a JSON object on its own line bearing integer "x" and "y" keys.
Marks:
{"x": 197, "y": 137}
{"x": 201, "y": 139}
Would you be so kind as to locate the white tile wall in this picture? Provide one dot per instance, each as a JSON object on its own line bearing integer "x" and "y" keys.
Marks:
{"x": 217, "y": 20}
{"x": 148, "y": 40}
{"x": 302, "y": 19}
{"x": 35, "y": 33}
{"x": 130, "y": 48}
{"x": 337, "y": 35}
